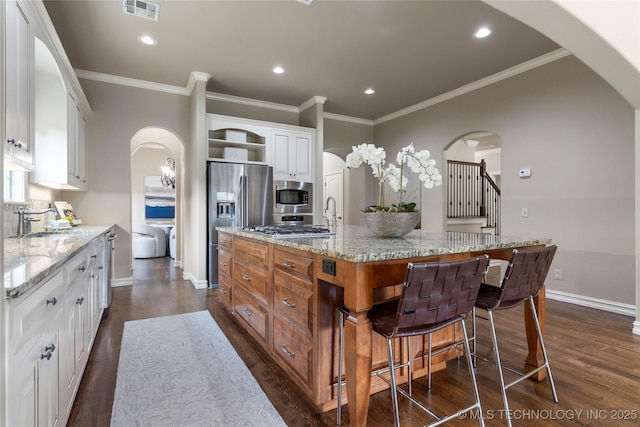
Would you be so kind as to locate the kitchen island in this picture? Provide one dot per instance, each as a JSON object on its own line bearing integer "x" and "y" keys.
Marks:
{"x": 286, "y": 292}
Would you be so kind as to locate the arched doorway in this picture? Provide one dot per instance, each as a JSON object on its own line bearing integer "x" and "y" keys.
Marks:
{"x": 150, "y": 150}
{"x": 472, "y": 183}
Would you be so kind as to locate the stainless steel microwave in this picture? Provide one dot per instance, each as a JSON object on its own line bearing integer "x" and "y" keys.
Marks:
{"x": 292, "y": 197}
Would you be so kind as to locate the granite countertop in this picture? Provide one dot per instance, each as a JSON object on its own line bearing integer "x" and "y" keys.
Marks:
{"x": 358, "y": 244}
{"x": 30, "y": 260}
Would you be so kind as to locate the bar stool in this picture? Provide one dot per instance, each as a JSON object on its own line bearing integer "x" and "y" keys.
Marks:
{"x": 522, "y": 281}
{"x": 434, "y": 296}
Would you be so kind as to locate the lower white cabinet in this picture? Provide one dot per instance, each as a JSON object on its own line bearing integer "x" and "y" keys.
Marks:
{"x": 50, "y": 333}
{"x": 34, "y": 366}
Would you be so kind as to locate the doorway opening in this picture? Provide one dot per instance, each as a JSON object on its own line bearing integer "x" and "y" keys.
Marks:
{"x": 472, "y": 183}
{"x": 156, "y": 188}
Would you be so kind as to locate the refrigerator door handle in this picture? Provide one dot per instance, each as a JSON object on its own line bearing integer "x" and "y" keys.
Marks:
{"x": 241, "y": 210}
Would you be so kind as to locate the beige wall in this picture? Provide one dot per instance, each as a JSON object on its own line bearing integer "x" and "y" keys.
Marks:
{"x": 118, "y": 113}
{"x": 577, "y": 135}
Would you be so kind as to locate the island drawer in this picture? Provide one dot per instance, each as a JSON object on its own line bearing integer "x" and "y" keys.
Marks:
{"x": 252, "y": 312}
{"x": 252, "y": 276}
{"x": 224, "y": 261}
{"x": 293, "y": 299}
{"x": 293, "y": 263}
{"x": 224, "y": 287}
{"x": 293, "y": 348}
{"x": 225, "y": 240}
{"x": 257, "y": 252}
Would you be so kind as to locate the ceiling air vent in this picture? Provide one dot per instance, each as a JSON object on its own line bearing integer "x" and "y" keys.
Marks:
{"x": 142, "y": 9}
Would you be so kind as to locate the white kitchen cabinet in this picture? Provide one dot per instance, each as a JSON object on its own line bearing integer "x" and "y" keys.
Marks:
{"x": 291, "y": 154}
{"x": 19, "y": 85}
{"x": 236, "y": 140}
{"x": 75, "y": 145}
{"x": 96, "y": 284}
{"x": 35, "y": 322}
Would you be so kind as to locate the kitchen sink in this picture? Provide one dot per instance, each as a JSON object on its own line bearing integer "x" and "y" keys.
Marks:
{"x": 55, "y": 233}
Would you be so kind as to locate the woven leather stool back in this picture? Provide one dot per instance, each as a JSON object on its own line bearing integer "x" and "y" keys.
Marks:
{"x": 438, "y": 292}
{"x": 525, "y": 274}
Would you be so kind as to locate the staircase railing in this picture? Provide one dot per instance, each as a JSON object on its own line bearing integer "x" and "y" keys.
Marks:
{"x": 472, "y": 193}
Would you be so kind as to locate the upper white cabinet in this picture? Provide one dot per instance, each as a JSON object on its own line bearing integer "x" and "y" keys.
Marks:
{"x": 59, "y": 126}
{"x": 19, "y": 85}
{"x": 291, "y": 154}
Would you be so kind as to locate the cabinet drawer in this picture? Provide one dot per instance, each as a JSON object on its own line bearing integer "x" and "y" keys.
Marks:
{"x": 224, "y": 287}
{"x": 257, "y": 252}
{"x": 29, "y": 315}
{"x": 252, "y": 276}
{"x": 293, "y": 348}
{"x": 225, "y": 241}
{"x": 250, "y": 310}
{"x": 77, "y": 268}
{"x": 293, "y": 263}
{"x": 224, "y": 261}
{"x": 293, "y": 299}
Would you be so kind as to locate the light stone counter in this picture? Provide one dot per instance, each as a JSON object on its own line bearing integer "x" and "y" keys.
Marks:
{"x": 30, "y": 260}
{"x": 358, "y": 244}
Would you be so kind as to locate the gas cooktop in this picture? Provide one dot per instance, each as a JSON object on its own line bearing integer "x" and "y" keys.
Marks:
{"x": 292, "y": 230}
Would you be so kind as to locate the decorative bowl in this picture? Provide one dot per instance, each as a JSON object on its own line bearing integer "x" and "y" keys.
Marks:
{"x": 391, "y": 224}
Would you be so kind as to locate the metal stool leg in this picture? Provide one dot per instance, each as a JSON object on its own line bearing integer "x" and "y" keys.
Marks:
{"x": 503, "y": 389}
{"x": 340, "y": 354}
{"x": 472, "y": 372}
{"x": 394, "y": 390}
{"x": 544, "y": 350}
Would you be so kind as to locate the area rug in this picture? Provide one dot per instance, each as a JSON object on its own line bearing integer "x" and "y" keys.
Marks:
{"x": 182, "y": 371}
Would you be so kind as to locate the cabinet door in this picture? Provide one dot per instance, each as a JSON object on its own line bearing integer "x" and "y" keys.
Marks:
{"x": 19, "y": 84}
{"x": 280, "y": 155}
{"x": 292, "y": 155}
{"x": 73, "y": 175}
{"x": 300, "y": 155}
{"x": 47, "y": 379}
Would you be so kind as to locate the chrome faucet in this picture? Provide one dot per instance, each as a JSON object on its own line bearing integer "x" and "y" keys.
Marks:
{"x": 24, "y": 220}
{"x": 334, "y": 215}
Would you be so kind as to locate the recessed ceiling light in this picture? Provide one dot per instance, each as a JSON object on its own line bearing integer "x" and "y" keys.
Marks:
{"x": 369, "y": 91}
{"x": 482, "y": 33}
{"x": 278, "y": 70}
{"x": 148, "y": 40}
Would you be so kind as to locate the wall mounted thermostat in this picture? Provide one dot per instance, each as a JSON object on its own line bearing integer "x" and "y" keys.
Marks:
{"x": 525, "y": 173}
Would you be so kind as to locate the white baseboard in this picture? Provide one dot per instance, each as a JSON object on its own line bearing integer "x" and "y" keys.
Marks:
{"x": 128, "y": 281}
{"x": 197, "y": 284}
{"x": 177, "y": 264}
{"x": 599, "y": 304}
{"x": 636, "y": 327}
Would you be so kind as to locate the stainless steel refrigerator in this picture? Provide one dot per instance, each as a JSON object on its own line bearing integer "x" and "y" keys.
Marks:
{"x": 237, "y": 195}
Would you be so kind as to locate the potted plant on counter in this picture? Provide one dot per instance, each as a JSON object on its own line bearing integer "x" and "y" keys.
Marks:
{"x": 395, "y": 220}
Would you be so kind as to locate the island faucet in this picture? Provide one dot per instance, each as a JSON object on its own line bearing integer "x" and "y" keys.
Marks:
{"x": 334, "y": 215}
{"x": 24, "y": 220}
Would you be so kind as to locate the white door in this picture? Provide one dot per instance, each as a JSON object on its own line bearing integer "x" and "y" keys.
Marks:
{"x": 333, "y": 182}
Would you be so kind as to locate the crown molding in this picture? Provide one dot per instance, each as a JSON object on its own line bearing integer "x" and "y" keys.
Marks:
{"x": 196, "y": 76}
{"x": 494, "y": 78}
{"x": 126, "y": 81}
{"x": 251, "y": 102}
{"x": 314, "y": 100}
{"x": 349, "y": 119}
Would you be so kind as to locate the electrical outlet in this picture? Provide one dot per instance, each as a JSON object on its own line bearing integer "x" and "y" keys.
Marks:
{"x": 525, "y": 212}
{"x": 557, "y": 274}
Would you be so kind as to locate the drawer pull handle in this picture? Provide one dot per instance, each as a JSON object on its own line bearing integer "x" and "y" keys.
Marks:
{"x": 246, "y": 312}
{"x": 80, "y": 300}
{"x": 287, "y": 303}
{"x": 223, "y": 291}
{"x": 222, "y": 263}
{"x": 287, "y": 352}
{"x": 51, "y": 348}
{"x": 52, "y": 301}
{"x": 101, "y": 267}
{"x": 288, "y": 264}
{"x": 46, "y": 355}
{"x": 82, "y": 269}
{"x": 246, "y": 278}
{"x": 94, "y": 256}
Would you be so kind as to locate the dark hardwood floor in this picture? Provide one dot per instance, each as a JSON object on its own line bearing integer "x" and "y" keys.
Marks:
{"x": 595, "y": 362}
